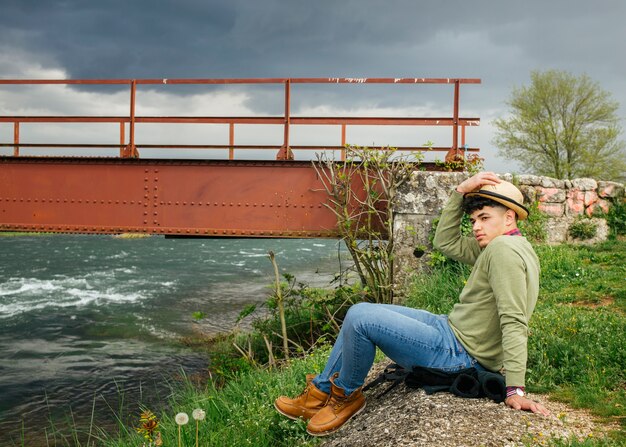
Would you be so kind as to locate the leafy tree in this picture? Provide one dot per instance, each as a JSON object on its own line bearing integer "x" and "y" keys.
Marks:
{"x": 563, "y": 126}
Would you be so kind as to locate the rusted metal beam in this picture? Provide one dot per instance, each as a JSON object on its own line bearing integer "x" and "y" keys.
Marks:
{"x": 171, "y": 197}
{"x": 176, "y": 197}
{"x": 301, "y": 120}
{"x": 330, "y": 80}
{"x": 225, "y": 146}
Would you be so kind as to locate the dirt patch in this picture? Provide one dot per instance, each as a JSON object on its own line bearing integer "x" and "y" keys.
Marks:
{"x": 408, "y": 417}
{"x": 604, "y": 302}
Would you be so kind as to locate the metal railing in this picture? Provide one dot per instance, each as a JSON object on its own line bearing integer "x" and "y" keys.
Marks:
{"x": 129, "y": 147}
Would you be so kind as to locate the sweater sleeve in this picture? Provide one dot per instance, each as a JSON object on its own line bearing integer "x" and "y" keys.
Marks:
{"x": 448, "y": 238}
{"x": 507, "y": 277}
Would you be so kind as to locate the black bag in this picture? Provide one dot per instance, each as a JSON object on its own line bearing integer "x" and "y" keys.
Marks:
{"x": 469, "y": 382}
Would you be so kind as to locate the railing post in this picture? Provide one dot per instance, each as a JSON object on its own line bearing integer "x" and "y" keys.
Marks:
{"x": 455, "y": 120}
{"x": 463, "y": 136}
{"x": 122, "y": 138}
{"x": 132, "y": 150}
{"x": 285, "y": 152}
{"x": 16, "y": 139}
{"x": 343, "y": 142}
{"x": 453, "y": 154}
{"x": 231, "y": 141}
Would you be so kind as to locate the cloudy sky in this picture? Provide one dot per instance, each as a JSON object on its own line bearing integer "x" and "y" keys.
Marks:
{"x": 498, "y": 41}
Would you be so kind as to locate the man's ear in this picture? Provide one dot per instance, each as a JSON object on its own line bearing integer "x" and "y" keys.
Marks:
{"x": 510, "y": 216}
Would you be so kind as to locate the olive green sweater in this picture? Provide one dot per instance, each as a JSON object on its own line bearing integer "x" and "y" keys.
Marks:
{"x": 491, "y": 317}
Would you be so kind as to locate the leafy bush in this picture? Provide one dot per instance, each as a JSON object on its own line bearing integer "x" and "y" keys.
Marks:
{"x": 583, "y": 229}
{"x": 534, "y": 227}
{"x": 616, "y": 218}
{"x": 438, "y": 259}
{"x": 312, "y": 316}
{"x": 438, "y": 291}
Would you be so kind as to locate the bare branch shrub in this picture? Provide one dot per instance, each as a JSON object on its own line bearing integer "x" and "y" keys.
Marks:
{"x": 361, "y": 192}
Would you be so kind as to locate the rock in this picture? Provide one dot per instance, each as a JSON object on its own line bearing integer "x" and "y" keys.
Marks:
{"x": 531, "y": 180}
{"x": 549, "y": 182}
{"x": 584, "y": 184}
{"x": 610, "y": 189}
{"x": 552, "y": 195}
{"x": 529, "y": 193}
{"x": 598, "y": 208}
{"x": 552, "y": 209}
{"x": 575, "y": 202}
{"x": 427, "y": 192}
{"x": 407, "y": 417}
{"x": 590, "y": 197}
{"x": 556, "y": 229}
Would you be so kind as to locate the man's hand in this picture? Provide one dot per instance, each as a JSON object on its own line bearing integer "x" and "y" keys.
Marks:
{"x": 475, "y": 182}
{"x": 523, "y": 403}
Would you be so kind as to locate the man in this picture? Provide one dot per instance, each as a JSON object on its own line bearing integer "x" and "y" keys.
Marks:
{"x": 487, "y": 329}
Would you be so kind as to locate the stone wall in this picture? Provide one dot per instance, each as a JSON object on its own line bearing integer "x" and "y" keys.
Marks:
{"x": 562, "y": 202}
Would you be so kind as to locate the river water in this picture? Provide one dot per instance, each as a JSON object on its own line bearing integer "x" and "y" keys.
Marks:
{"x": 86, "y": 319}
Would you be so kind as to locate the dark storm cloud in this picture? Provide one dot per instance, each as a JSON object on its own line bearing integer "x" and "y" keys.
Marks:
{"x": 499, "y": 41}
{"x": 243, "y": 38}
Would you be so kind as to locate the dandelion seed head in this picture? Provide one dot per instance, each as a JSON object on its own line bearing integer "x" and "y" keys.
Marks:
{"x": 182, "y": 418}
{"x": 198, "y": 414}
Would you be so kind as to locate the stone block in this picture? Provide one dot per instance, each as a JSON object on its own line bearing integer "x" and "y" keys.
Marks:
{"x": 529, "y": 193}
{"x": 427, "y": 192}
{"x": 552, "y": 195}
{"x": 575, "y": 202}
{"x": 599, "y": 207}
{"x": 556, "y": 229}
{"x": 411, "y": 233}
{"x": 610, "y": 189}
{"x": 549, "y": 182}
{"x": 584, "y": 184}
{"x": 591, "y": 197}
{"x": 552, "y": 209}
{"x": 530, "y": 180}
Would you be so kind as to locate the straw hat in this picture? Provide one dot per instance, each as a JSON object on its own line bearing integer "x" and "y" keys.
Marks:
{"x": 506, "y": 194}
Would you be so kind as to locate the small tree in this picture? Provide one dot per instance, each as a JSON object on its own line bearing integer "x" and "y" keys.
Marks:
{"x": 361, "y": 192}
{"x": 563, "y": 126}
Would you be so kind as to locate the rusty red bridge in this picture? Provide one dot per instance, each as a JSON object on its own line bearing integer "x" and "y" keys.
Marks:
{"x": 227, "y": 197}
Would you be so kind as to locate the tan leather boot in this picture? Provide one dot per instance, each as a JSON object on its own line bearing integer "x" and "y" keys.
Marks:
{"x": 304, "y": 406}
{"x": 338, "y": 410}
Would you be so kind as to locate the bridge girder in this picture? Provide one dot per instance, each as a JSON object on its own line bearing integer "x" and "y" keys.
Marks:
{"x": 171, "y": 197}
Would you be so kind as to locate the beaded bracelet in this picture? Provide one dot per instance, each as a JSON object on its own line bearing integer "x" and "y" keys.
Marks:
{"x": 513, "y": 390}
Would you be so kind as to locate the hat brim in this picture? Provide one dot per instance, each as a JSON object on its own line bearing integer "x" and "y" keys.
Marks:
{"x": 520, "y": 210}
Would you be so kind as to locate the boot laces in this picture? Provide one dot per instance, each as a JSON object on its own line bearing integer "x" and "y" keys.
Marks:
{"x": 305, "y": 391}
{"x": 337, "y": 402}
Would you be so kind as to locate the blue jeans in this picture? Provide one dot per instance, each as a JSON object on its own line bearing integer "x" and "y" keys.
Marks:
{"x": 410, "y": 337}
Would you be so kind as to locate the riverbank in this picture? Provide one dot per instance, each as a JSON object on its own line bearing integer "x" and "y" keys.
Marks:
{"x": 576, "y": 367}
{"x": 91, "y": 323}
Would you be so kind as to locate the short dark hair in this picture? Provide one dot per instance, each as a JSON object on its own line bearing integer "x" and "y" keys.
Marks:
{"x": 475, "y": 203}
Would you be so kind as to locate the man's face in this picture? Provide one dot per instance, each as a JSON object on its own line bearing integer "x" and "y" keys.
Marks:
{"x": 490, "y": 222}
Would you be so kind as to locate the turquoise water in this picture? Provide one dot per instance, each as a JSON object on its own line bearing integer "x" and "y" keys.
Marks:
{"x": 86, "y": 317}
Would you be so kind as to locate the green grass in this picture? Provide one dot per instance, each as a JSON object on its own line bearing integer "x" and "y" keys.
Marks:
{"x": 239, "y": 414}
{"x": 576, "y": 353}
{"x": 577, "y": 348}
